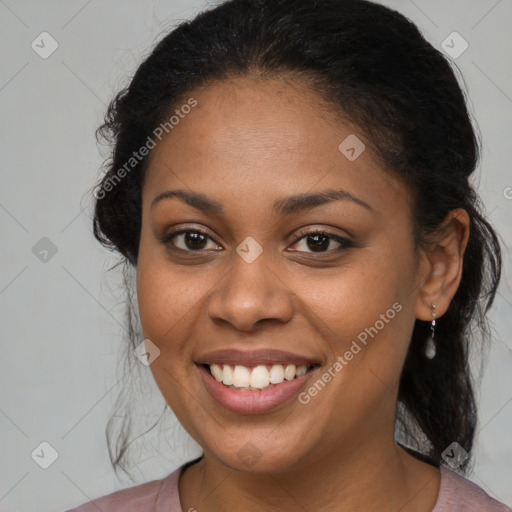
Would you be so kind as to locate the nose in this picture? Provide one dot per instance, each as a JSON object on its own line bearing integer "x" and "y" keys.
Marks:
{"x": 250, "y": 294}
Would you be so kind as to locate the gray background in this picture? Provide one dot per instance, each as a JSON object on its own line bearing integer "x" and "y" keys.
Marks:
{"x": 61, "y": 319}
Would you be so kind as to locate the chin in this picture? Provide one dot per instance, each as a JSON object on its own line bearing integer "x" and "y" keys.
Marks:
{"x": 258, "y": 457}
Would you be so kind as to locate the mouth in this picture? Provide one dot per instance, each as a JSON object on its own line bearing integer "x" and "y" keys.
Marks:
{"x": 256, "y": 378}
{"x": 256, "y": 381}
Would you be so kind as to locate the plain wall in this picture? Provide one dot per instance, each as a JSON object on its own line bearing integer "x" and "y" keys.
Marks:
{"x": 61, "y": 319}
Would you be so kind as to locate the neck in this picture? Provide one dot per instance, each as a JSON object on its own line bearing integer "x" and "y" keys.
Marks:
{"x": 371, "y": 476}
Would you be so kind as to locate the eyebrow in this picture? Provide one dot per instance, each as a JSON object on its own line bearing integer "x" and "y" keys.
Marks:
{"x": 286, "y": 206}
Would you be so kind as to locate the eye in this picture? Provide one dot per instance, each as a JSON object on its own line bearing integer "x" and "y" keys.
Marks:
{"x": 190, "y": 240}
{"x": 196, "y": 240}
{"x": 321, "y": 242}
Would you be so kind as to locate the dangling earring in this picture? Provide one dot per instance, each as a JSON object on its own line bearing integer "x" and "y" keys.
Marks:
{"x": 430, "y": 345}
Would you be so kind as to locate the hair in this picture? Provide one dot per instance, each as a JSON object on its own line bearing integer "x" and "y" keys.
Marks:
{"x": 374, "y": 69}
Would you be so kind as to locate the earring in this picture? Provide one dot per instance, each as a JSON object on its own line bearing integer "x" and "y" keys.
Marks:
{"x": 430, "y": 346}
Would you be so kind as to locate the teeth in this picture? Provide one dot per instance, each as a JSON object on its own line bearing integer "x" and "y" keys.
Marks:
{"x": 277, "y": 374}
{"x": 241, "y": 376}
{"x": 227, "y": 375}
{"x": 259, "y": 377}
{"x": 217, "y": 372}
{"x": 289, "y": 372}
{"x": 301, "y": 370}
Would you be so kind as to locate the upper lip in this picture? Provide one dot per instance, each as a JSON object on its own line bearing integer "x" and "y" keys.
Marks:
{"x": 254, "y": 357}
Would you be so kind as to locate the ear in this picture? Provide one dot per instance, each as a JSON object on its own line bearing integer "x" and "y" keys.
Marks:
{"x": 441, "y": 265}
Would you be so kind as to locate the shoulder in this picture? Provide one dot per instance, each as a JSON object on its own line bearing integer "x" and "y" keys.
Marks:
{"x": 150, "y": 496}
{"x": 457, "y": 494}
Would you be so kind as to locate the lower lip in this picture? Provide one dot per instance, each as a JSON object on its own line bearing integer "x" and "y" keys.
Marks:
{"x": 253, "y": 402}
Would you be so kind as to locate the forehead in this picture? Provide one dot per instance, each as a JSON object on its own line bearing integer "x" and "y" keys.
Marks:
{"x": 269, "y": 137}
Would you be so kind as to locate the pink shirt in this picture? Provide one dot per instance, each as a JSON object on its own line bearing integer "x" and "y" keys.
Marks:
{"x": 456, "y": 494}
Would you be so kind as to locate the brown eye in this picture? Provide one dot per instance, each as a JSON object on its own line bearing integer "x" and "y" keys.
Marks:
{"x": 190, "y": 240}
{"x": 317, "y": 242}
{"x": 320, "y": 241}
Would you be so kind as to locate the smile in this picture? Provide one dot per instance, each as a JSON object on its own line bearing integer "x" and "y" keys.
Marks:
{"x": 251, "y": 382}
{"x": 256, "y": 378}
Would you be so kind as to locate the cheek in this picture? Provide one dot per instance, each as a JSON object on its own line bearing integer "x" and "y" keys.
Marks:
{"x": 351, "y": 299}
{"x": 168, "y": 295}
{"x": 166, "y": 302}
{"x": 168, "y": 310}
{"x": 364, "y": 312}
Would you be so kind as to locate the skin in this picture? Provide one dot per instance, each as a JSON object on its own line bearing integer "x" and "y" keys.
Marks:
{"x": 247, "y": 144}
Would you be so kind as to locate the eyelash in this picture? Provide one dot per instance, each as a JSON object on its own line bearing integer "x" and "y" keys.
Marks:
{"x": 345, "y": 243}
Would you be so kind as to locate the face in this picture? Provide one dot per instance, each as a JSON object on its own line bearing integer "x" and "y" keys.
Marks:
{"x": 267, "y": 251}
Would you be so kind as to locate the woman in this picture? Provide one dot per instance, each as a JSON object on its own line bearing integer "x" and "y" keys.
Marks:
{"x": 290, "y": 181}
